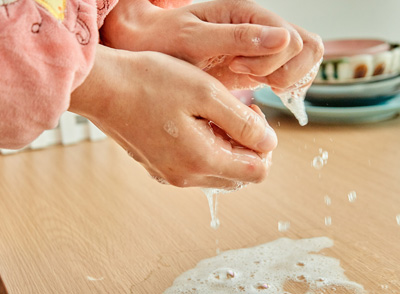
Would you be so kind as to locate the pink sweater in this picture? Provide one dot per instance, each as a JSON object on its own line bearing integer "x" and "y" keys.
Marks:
{"x": 47, "y": 49}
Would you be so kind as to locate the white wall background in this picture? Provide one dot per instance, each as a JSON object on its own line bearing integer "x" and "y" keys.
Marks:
{"x": 341, "y": 18}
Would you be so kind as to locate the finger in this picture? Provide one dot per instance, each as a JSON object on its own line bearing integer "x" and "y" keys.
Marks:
{"x": 242, "y": 123}
{"x": 265, "y": 65}
{"x": 298, "y": 67}
{"x": 241, "y": 39}
{"x": 260, "y": 113}
{"x": 231, "y": 161}
{"x": 239, "y": 164}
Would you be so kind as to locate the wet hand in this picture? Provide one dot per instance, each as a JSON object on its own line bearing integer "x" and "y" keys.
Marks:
{"x": 180, "y": 123}
{"x": 238, "y": 42}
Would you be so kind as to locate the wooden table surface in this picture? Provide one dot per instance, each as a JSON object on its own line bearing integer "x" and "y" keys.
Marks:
{"x": 88, "y": 219}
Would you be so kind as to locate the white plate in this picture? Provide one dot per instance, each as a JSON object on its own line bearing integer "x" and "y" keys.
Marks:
{"x": 356, "y": 81}
{"x": 321, "y": 114}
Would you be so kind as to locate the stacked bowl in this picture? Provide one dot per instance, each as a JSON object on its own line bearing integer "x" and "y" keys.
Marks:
{"x": 358, "y": 81}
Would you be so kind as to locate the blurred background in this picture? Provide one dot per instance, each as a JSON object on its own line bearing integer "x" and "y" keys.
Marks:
{"x": 341, "y": 18}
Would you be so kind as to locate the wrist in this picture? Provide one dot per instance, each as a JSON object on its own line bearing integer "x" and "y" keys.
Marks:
{"x": 126, "y": 24}
{"x": 92, "y": 98}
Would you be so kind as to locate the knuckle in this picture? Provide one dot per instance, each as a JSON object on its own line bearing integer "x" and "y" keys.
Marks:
{"x": 240, "y": 34}
{"x": 296, "y": 42}
{"x": 317, "y": 46}
{"x": 248, "y": 131}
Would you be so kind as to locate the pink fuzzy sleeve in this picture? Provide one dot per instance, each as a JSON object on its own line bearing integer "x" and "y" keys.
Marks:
{"x": 46, "y": 51}
{"x": 103, "y": 8}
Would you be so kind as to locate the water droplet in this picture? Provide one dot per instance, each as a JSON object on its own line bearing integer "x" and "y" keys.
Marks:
{"x": 283, "y": 226}
{"x": 171, "y": 129}
{"x": 328, "y": 221}
{"x": 94, "y": 279}
{"x": 318, "y": 162}
{"x": 256, "y": 41}
{"x": 328, "y": 200}
{"x": 325, "y": 155}
{"x": 398, "y": 219}
{"x": 385, "y": 287}
{"x": 215, "y": 223}
{"x": 352, "y": 196}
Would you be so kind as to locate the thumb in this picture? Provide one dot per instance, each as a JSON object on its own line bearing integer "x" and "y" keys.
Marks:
{"x": 242, "y": 39}
{"x": 239, "y": 121}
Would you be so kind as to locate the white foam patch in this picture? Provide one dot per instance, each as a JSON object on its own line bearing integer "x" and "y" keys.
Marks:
{"x": 266, "y": 269}
{"x": 294, "y": 98}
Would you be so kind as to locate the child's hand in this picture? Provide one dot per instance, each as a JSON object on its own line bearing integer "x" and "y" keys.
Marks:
{"x": 238, "y": 42}
{"x": 159, "y": 109}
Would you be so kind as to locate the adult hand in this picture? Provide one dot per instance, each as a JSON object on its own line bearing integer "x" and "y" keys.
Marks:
{"x": 175, "y": 119}
{"x": 239, "y": 42}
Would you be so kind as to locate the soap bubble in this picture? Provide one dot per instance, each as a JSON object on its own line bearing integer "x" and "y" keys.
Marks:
{"x": 318, "y": 162}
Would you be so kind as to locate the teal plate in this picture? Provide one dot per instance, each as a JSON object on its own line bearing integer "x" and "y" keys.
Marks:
{"x": 335, "y": 115}
{"x": 360, "y": 94}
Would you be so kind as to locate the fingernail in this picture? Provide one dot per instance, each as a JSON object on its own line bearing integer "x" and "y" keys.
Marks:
{"x": 273, "y": 37}
{"x": 269, "y": 141}
{"x": 238, "y": 67}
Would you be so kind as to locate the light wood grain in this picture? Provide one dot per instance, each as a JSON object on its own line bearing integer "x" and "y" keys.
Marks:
{"x": 88, "y": 219}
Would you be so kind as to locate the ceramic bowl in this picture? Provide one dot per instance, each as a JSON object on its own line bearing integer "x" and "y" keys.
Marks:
{"x": 358, "y": 61}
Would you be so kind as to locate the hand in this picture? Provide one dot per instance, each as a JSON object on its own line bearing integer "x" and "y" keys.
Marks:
{"x": 175, "y": 119}
{"x": 238, "y": 42}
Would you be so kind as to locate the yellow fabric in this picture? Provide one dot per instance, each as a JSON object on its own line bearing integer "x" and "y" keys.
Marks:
{"x": 55, "y": 7}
